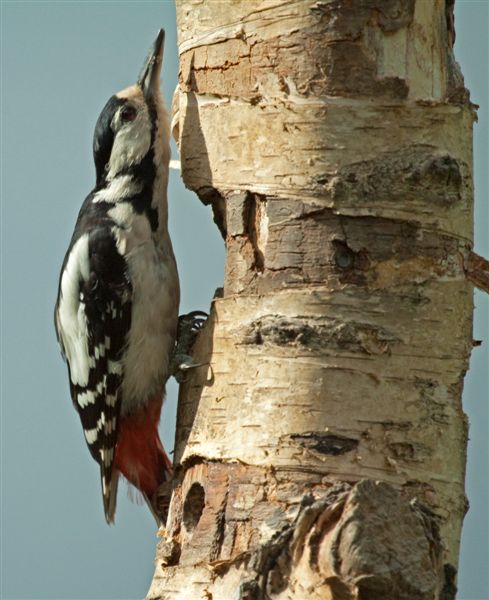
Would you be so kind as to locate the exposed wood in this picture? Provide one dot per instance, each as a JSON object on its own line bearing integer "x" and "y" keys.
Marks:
{"x": 321, "y": 454}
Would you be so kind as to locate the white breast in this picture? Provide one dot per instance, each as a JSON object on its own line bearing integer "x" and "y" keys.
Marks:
{"x": 155, "y": 299}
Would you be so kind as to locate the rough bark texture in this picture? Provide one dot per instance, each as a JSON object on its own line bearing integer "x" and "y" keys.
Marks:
{"x": 322, "y": 452}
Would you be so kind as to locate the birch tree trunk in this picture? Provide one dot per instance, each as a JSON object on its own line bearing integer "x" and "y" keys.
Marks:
{"x": 321, "y": 453}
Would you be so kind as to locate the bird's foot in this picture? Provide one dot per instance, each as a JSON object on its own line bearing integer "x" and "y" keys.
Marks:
{"x": 189, "y": 326}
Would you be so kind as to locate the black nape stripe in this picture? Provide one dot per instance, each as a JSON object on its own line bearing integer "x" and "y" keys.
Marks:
{"x": 145, "y": 171}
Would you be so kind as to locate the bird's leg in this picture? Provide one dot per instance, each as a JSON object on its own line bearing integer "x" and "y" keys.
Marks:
{"x": 189, "y": 326}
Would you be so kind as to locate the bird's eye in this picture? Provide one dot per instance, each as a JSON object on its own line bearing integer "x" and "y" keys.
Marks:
{"x": 128, "y": 113}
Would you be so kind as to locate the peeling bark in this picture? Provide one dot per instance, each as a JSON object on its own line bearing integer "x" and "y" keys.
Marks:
{"x": 477, "y": 269}
{"x": 321, "y": 453}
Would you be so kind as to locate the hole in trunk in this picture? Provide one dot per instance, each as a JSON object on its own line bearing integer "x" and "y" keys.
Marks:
{"x": 193, "y": 506}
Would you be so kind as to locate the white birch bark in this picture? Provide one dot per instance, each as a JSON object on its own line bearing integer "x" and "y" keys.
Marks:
{"x": 322, "y": 452}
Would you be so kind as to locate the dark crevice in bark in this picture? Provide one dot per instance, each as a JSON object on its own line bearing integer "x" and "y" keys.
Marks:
{"x": 324, "y": 443}
{"x": 449, "y": 591}
{"x": 252, "y": 222}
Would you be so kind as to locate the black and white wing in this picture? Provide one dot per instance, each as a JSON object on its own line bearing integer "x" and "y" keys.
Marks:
{"x": 93, "y": 317}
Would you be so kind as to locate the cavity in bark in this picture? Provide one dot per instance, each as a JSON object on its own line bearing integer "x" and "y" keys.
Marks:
{"x": 193, "y": 506}
{"x": 344, "y": 257}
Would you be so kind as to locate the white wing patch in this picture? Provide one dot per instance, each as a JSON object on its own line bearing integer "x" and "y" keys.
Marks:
{"x": 71, "y": 317}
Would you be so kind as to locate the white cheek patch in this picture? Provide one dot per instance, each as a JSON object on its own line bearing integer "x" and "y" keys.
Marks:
{"x": 132, "y": 141}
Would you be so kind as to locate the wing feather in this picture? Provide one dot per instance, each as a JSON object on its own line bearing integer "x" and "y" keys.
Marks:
{"x": 94, "y": 344}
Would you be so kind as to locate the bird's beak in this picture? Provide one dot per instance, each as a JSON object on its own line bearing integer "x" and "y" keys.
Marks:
{"x": 149, "y": 78}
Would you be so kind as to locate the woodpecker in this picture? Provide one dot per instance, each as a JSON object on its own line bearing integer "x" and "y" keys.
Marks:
{"x": 116, "y": 313}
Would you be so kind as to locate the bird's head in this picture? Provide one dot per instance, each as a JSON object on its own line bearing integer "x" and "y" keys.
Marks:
{"x": 132, "y": 122}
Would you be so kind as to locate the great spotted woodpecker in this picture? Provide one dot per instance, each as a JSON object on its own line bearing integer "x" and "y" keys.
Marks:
{"x": 116, "y": 313}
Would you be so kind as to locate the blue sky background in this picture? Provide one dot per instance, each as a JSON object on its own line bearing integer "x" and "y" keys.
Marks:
{"x": 60, "y": 63}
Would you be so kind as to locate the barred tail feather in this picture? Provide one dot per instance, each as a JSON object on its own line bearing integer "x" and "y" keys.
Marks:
{"x": 109, "y": 492}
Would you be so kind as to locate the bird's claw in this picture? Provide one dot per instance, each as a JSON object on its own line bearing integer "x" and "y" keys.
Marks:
{"x": 191, "y": 323}
{"x": 189, "y": 326}
{"x": 184, "y": 363}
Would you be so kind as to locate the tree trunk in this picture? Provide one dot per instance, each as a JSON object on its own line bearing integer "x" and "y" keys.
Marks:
{"x": 321, "y": 454}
